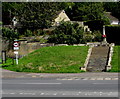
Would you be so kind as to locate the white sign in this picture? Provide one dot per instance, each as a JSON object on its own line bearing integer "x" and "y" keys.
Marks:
{"x": 16, "y": 48}
{"x": 16, "y": 44}
{"x": 15, "y": 52}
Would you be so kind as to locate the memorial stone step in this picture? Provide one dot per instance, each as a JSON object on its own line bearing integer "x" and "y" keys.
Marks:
{"x": 98, "y": 59}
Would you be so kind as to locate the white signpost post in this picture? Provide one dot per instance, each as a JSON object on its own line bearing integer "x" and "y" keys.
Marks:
{"x": 104, "y": 40}
{"x": 16, "y": 48}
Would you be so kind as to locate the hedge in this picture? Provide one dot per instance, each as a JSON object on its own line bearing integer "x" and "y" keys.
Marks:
{"x": 96, "y": 25}
{"x": 113, "y": 34}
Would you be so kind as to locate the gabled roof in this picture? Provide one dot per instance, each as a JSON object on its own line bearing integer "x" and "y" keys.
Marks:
{"x": 57, "y": 13}
{"x": 61, "y": 14}
{"x": 110, "y": 16}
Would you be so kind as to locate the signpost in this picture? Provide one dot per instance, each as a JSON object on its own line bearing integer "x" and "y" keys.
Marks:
{"x": 104, "y": 35}
{"x": 3, "y": 56}
{"x": 16, "y": 48}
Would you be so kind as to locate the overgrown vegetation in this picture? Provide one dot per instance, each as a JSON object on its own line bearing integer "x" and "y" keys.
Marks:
{"x": 9, "y": 34}
{"x": 67, "y": 33}
{"x": 57, "y": 59}
{"x": 72, "y": 33}
{"x": 95, "y": 36}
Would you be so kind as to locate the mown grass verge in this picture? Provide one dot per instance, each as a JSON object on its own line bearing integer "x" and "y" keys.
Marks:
{"x": 57, "y": 59}
{"x": 116, "y": 60}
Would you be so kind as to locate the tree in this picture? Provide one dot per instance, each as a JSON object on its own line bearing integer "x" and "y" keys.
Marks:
{"x": 86, "y": 11}
{"x": 109, "y": 6}
{"x": 9, "y": 10}
{"x": 67, "y": 33}
{"x": 32, "y": 15}
{"x": 113, "y": 7}
{"x": 116, "y": 12}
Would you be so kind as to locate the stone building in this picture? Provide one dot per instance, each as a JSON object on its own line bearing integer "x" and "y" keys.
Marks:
{"x": 62, "y": 16}
{"x": 113, "y": 20}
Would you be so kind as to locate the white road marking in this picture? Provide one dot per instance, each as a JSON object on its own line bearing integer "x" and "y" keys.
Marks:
{"x": 105, "y": 83}
{"x": 21, "y": 93}
{"x": 42, "y": 94}
{"x": 87, "y": 79}
{"x": 27, "y": 93}
{"x": 44, "y": 83}
{"x": 86, "y": 94}
{"x": 12, "y": 93}
{"x": 38, "y": 83}
{"x": 68, "y": 93}
{"x": 55, "y": 94}
{"x": 100, "y": 94}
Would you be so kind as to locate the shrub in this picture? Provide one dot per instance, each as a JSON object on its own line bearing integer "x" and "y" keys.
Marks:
{"x": 9, "y": 34}
{"x": 39, "y": 32}
{"x": 97, "y": 36}
{"x": 97, "y": 25}
{"x": 88, "y": 37}
{"x": 67, "y": 33}
{"x": 28, "y": 33}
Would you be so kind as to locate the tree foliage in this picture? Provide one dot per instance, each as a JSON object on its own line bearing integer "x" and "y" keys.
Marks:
{"x": 113, "y": 7}
{"x": 67, "y": 33}
{"x": 9, "y": 34}
{"x": 84, "y": 11}
{"x": 41, "y": 14}
{"x": 32, "y": 15}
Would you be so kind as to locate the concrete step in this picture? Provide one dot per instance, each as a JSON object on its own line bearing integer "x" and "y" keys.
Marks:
{"x": 98, "y": 59}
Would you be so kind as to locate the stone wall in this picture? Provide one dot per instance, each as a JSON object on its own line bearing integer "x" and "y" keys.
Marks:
{"x": 26, "y": 48}
{"x": 109, "y": 66}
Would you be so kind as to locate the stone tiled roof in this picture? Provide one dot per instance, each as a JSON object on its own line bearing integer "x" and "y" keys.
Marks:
{"x": 109, "y": 15}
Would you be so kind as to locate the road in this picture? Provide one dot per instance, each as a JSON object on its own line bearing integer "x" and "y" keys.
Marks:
{"x": 54, "y": 87}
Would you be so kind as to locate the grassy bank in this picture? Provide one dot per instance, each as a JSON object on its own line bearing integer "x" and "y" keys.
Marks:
{"x": 116, "y": 60}
{"x": 57, "y": 59}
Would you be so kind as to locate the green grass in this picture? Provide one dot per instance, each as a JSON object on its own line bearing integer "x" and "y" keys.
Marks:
{"x": 116, "y": 60}
{"x": 57, "y": 59}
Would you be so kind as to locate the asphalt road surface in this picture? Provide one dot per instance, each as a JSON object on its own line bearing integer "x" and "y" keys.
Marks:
{"x": 53, "y": 87}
